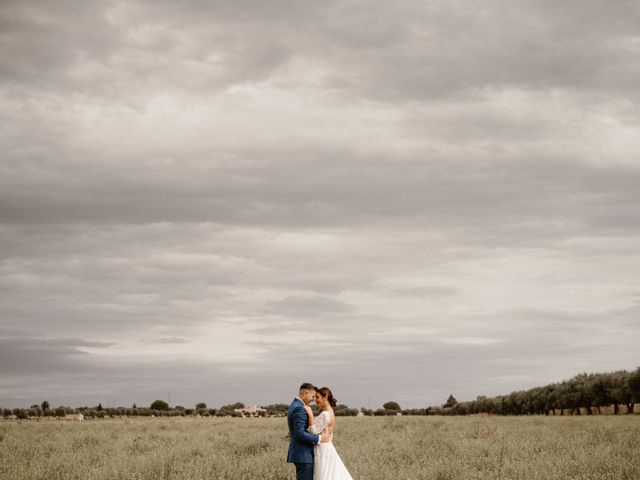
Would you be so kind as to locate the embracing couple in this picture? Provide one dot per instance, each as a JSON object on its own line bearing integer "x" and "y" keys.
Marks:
{"x": 310, "y": 447}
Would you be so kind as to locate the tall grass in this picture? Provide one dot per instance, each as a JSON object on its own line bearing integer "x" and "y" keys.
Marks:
{"x": 374, "y": 448}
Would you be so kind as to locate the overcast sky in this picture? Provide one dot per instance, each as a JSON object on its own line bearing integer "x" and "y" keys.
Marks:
{"x": 218, "y": 200}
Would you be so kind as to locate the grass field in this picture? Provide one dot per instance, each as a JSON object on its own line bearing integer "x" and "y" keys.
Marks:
{"x": 373, "y": 448}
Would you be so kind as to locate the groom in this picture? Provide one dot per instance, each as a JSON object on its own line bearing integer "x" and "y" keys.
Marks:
{"x": 301, "y": 442}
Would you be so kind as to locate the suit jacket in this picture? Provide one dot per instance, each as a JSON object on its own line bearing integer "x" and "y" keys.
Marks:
{"x": 301, "y": 442}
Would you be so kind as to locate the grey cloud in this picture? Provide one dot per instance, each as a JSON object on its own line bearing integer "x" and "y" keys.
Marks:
{"x": 506, "y": 193}
{"x": 309, "y": 305}
{"x": 427, "y": 292}
{"x": 119, "y": 51}
{"x": 447, "y": 50}
{"x": 115, "y": 384}
{"x": 420, "y": 51}
{"x": 402, "y": 360}
{"x": 44, "y": 40}
{"x": 166, "y": 340}
{"x": 28, "y": 356}
{"x": 416, "y": 375}
{"x": 172, "y": 340}
{"x": 234, "y": 13}
{"x": 348, "y": 360}
{"x": 338, "y": 325}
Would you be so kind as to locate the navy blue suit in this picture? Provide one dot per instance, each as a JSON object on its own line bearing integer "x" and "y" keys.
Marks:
{"x": 301, "y": 442}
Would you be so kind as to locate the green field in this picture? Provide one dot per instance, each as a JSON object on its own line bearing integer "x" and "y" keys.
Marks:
{"x": 373, "y": 448}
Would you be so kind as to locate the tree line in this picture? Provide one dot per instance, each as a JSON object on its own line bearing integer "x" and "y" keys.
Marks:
{"x": 158, "y": 408}
{"x": 582, "y": 394}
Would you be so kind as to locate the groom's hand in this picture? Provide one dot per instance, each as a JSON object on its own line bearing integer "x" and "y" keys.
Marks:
{"x": 325, "y": 437}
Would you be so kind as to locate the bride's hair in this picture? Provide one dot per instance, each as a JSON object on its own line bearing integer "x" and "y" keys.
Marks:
{"x": 325, "y": 392}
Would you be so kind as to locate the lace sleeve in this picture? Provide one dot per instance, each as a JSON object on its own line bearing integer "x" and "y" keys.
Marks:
{"x": 319, "y": 424}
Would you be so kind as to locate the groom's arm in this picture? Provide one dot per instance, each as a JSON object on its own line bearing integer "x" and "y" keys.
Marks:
{"x": 300, "y": 428}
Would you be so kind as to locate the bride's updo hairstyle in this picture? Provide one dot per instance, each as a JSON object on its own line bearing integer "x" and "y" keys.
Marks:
{"x": 325, "y": 392}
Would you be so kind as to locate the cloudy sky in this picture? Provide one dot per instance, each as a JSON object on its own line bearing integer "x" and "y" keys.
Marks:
{"x": 218, "y": 200}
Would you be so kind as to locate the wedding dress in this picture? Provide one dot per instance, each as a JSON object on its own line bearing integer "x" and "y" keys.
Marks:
{"x": 327, "y": 464}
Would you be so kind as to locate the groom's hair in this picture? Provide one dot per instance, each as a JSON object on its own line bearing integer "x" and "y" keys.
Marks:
{"x": 307, "y": 386}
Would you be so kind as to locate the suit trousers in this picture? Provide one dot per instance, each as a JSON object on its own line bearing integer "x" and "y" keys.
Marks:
{"x": 304, "y": 471}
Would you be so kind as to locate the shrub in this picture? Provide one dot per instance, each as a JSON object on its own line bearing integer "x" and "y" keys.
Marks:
{"x": 21, "y": 413}
{"x": 391, "y": 406}
{"x": 159, "y": 405}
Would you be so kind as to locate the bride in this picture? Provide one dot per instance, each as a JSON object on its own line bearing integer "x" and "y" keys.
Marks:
{"x": 327, "y": 464}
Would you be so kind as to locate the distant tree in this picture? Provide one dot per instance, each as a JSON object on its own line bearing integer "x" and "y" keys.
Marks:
{"x": 562, "y": 397}
{"x": 550, "y": 398}
{"x": 621, "y": 391}
{"x": 534, "y": 401}
{"x": 513, "y": 403}
{"x": 159, "y": 405}
{"x": 60, "y": 412}
{"x": 451, "y": 402}
{"x": 20, "y": 413}
{"x": 45, "y": 406}
{"x": 99, "y": 407}
{"x": 201, "y": 409}
{"x": 634, "y": 385}
{"x": 278, "y": 409}
{"x": 391, "y": 406}
{"x": 584, "y": 392}
{"x": 134, "y": 406}
{"x": 344, "y": 411}
{"x": 229, "y": 410}
{"x": 414, "y": 411}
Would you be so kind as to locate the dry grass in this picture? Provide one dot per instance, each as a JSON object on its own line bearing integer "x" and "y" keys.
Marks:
{"x": 518, "y": 448}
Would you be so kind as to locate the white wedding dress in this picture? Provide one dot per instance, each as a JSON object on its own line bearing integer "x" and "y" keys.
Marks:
{"x": 327, "y": 464}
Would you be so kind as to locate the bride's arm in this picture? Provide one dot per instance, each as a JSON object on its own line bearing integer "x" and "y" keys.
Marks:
{"x": 319, "y": 424}
{"x": 310, "y": 420}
